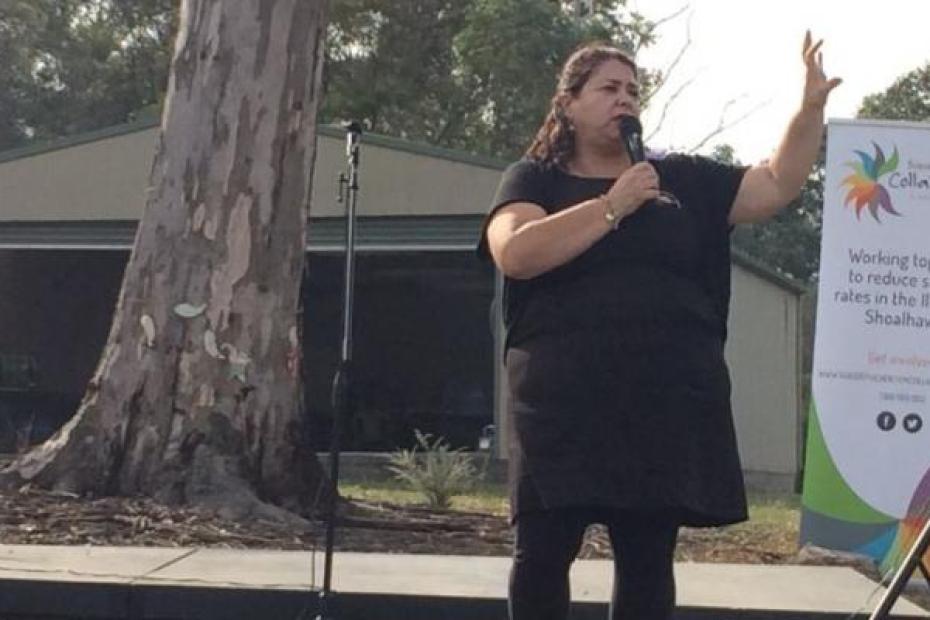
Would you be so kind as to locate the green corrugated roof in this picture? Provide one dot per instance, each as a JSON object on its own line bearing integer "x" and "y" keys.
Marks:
{"x": 397, "y": 144}
{"x": 326, "y": 234}
{"x": 47, "y": 146}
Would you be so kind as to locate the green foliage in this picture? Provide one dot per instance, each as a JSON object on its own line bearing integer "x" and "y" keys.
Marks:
{"x": 908, "y": 99}
{"x": 466, "y": 74}
{"x": 79, "y": 65}
{"x": 474, "y": 75}
{"x": 724, "y": 153}
{"x": 390, "y": 65}
{"x": 19, "y": 27}
{"x": 434, "y": 470}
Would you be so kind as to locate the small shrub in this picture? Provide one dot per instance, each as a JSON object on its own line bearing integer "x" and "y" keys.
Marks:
{"x": 434, "y": 470}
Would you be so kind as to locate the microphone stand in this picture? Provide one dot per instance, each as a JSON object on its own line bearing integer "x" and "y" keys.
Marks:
{"x": 342, "y": 401}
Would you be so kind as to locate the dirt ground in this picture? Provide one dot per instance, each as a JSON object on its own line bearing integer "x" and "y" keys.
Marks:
{"x": 32, "y": 516}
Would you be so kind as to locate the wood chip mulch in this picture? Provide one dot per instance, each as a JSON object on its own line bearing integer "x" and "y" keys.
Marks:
{"x": 33, "y": 516}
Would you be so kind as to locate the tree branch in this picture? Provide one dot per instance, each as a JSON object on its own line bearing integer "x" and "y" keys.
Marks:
{"x": 671, "y": 16}
{"x": 665, "y": 108}
{"x": 723, "y": 125}
{"x": 665, "y": 74}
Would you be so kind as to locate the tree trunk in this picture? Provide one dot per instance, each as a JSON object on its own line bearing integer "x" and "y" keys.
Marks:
{"x": 195, "y": 398}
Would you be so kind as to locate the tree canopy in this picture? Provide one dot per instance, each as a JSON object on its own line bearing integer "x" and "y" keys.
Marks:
{"x": 445, "y": 72}
{"x": 78, "y": 65}
{"x": 908, "y": 99}
{"x": 453, "y": 73}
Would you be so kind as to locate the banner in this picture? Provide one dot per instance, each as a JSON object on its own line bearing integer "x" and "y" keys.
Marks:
{"x": 867, "y": 469}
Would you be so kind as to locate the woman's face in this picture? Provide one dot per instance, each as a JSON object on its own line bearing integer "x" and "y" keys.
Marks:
{"x": 611, "y": 92}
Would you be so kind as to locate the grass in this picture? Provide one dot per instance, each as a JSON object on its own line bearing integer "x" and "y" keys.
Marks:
{"x": 781, "y": 510}
{"x": 772, "y": 509}
{"x": 487, "y": 497}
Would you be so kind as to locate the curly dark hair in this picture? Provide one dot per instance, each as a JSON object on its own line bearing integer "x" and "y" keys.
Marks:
{"x": 555, "y": 141}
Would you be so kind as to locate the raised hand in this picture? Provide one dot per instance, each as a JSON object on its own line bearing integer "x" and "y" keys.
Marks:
{"x": 816, "y": 85}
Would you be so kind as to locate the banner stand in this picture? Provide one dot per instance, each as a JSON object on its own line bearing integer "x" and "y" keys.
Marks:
{"x": 867, "y": 467}
{"x": 913, "y": 561}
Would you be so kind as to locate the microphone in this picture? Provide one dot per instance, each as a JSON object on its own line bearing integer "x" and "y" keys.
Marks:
{"x": 631, "y": 136}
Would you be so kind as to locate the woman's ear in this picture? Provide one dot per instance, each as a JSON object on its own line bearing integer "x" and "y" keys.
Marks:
{"x": 568, "y": 111}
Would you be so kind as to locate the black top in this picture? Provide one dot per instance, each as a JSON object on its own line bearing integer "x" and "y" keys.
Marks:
{"x": 676, "y": 261}
{"x": 619, "y": 393}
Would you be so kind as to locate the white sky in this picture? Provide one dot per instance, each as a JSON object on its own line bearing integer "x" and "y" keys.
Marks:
{"x": 750, "y": 49}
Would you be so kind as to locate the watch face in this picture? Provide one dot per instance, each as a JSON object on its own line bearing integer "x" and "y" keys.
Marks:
{"x": 609, "y": 214}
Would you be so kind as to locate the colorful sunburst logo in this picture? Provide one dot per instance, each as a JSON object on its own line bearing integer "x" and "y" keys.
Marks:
{"x": 864, "y": 187}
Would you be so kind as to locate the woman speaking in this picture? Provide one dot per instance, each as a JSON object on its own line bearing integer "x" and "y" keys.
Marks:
{"x": 616, "y": 294}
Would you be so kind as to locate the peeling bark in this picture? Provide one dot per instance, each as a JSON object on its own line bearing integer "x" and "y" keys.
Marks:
{"x": 195, "y": 397}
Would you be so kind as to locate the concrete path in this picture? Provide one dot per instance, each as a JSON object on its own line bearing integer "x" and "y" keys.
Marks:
{"x": 38, "y": 580}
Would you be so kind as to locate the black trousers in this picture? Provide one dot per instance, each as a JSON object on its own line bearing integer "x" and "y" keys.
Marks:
{"x": 548, "y": 541}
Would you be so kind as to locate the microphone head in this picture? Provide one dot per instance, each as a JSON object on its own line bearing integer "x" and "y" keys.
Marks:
{"x": 353, "y": 134}
{"x": 630, "y": 125}
{"x": 631, "y": 137}
{"x": 352, "y": 127}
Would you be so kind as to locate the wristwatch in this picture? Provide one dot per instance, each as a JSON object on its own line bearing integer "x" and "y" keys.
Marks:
{"x": 613, "y": 218}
